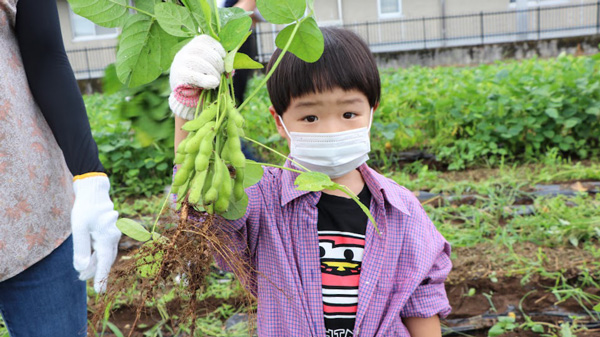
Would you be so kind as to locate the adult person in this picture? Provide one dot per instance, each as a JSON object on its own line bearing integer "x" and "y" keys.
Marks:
{"x": 47, "y": 223}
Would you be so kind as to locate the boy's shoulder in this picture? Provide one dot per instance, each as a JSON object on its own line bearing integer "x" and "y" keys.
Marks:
{"x": 395, "y": 194}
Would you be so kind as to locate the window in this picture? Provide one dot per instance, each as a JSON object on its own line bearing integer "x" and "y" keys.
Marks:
{"x": 536, "y": 3}
{"x": 389, "y": 8}
{"x": 329, "y": 12}
{"x": 84, "y": 29}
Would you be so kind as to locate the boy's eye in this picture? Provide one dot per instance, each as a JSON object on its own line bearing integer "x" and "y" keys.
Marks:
{"x": 349, "y": 115}
{"x": 310, "y": 119}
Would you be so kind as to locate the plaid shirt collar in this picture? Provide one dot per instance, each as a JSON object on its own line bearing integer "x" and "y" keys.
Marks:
{"x": 382, "y": 189}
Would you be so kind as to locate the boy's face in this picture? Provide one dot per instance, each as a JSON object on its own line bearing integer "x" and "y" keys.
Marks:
{"x": 325, "y": 112}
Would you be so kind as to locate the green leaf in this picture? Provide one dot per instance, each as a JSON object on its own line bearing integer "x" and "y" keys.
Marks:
{"x": 110, "y": 81}
{"x": 552, "y": 113}
{"x": 114, "y": 329}
{"x": 253, "y": 173}
{"x": 574, "y": 240}
{"x": 243, "y": 61}
{"x": 565, "y": 330}
{"x": 308, "y": 43}
{"x": 202, "y": 13}
{"x": 496, "y": 330}
{"x": 571, "y": 122}
{"x": 310, "y": 4}
{"x": 237, "y": 208}
{"x": 147, "y": 5}
{"x": 175, "y": 20}
{"x": 596, "y": 307}
{"x": 228, "y": 61}
{"x": 106, "y": 13}
{"x": 176, "y": 48}
{"x": 313, "y": 181}
{"x": 145, "y": 51}
{"x": 231, "y": 13}
{"x": 133, "y": 229}
{"x": 234, "y": 32}
{"x": 281, "y": 12}
{"x": 537, "y": 328}
{"x": 230, "y": 57}
{"x": 593, "y": 111}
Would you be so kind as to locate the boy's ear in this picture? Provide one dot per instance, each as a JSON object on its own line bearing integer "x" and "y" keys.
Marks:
{"x": 375, "y": 107}
{"x": 280, "y": 128}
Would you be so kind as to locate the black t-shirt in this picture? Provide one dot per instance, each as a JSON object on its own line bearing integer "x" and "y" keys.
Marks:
{"x": 342, "y": 225}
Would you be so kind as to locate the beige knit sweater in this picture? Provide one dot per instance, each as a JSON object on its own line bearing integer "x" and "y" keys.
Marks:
{"x": 36, "y": 192}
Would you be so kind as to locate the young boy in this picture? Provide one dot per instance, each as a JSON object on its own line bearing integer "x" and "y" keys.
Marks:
{"x": 322, "y": 269}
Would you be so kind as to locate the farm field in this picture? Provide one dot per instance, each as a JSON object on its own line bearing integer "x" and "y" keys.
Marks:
{"x": 505, "y": 159}
{"x": 525, "y": 253}
{"x": 484, "y": 148}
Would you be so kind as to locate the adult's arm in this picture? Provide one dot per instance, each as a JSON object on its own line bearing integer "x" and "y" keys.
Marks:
{"x": 53, "y": 83}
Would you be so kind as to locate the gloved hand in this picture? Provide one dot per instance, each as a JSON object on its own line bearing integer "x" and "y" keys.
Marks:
{"x": 198, "y": 65}
{"x": 93, "y": 218}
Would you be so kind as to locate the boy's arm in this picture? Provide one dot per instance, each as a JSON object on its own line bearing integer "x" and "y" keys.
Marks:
{"x": 423, "y": 327}
{"x": 429, "y": 257}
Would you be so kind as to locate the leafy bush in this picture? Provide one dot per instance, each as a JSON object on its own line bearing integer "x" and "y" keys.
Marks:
{"x": 135, "y": 163}
{"x": 469, "y": 116}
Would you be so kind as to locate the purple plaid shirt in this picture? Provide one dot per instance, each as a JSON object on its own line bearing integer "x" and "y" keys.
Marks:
{"x": 403, "y": 269}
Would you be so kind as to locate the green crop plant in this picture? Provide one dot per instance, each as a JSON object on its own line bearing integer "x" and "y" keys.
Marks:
{"x": 211, "y": 173}
{"x": 488, "y": 115}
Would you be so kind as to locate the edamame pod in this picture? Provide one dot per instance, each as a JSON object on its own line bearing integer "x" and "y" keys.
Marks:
{"x": 206, "y": 115}
{"x": 180, "y": 177}
{"x": 238, "y": 185}
{"x": 206, "y": 146}
{"x": 196, "y": 187}
{"x": 201, "y": 163}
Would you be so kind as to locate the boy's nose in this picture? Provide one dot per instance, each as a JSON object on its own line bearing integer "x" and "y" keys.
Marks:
{"x": 330, "y": 127}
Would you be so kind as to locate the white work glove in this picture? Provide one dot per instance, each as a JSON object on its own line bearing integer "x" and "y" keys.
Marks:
{"x": 198, "y": 65}
{"x": 93, "y": 221}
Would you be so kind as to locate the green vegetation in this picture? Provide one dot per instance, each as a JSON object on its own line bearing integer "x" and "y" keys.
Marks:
{"x": 473, "y": 116}
{"x": 136, "y": 164}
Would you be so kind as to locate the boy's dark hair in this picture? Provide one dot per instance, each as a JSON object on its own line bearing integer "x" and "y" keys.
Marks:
{"x": 346, "y": 62}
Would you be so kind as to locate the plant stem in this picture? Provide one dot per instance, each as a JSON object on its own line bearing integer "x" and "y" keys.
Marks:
{"x": 200, "y": 104}
{"x": 354, "y": 197}
{"x": 276, "y": 152}
{"x": 264, "y": 81}
{"x": 275, "y": 165}
{"x": 139, "y": 10}
{"x": 217, "y": 16}
{"x": 162, "y": 209}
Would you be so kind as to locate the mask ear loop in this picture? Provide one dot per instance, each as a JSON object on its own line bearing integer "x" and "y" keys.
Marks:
{"x": 283, "y": 124}
{"x": 370, "y": 120}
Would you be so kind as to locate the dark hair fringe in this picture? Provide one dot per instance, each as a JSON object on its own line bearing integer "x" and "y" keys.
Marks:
{"x": 346, "y": 63}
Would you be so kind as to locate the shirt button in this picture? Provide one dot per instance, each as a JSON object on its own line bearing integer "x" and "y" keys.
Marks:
{"x": 366, "y": 282}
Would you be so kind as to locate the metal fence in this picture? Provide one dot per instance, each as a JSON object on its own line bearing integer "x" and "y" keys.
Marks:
{"x": 88, "y": 63}
{"x": 537, "y": 23}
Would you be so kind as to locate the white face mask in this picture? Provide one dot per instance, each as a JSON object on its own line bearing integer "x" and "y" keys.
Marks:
{"x": 334, "y": 153}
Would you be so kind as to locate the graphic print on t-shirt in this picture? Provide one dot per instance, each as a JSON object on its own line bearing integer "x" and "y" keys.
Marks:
{"x": 341, "y": 259}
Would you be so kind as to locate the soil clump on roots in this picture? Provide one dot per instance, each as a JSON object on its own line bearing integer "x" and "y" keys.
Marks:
{"x": 180, "y": 259}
